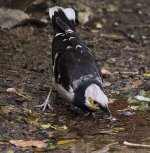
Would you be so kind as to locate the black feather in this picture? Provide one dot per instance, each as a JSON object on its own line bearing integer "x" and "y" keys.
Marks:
{"x": 79, "y": 98}
{"x": 74, "y": 62}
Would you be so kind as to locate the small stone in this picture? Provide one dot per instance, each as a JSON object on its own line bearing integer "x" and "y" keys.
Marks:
{"x": 11, "y": 90}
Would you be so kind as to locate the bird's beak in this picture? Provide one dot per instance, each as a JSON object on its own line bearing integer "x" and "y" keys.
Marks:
{"x": 106, "y": 110}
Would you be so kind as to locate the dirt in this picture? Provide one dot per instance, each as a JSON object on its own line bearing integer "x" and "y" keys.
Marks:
{"x": 121, "y": 46}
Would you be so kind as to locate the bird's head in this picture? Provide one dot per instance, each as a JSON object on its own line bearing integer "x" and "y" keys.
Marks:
{"x": 91, "y": 97}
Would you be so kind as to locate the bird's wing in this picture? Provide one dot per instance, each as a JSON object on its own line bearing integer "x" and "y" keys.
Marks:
{"x": 72, "y": 59}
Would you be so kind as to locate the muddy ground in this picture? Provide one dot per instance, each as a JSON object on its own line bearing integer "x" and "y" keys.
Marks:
{"x": 120, "y": 39}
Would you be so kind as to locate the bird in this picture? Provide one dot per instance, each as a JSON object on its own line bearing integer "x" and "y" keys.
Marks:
{"x": 76, "y": 75}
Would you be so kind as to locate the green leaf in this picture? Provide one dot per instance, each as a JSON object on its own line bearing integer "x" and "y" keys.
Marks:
{"x": 111, "y": 8}
{"x": 10, "y": 151}
{"x": 47, "y": 126}
{"x": 146, "y": 74}
{"x": 142, "y": 98}
{"x": 62, "y": 142}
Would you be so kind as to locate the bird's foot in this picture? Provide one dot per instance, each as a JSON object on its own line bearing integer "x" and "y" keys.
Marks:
{"x": 46, "y": 103}
{"x": 89, "y": 114}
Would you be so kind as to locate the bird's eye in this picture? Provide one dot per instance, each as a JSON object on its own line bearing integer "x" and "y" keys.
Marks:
{"x": 93, "y": 103}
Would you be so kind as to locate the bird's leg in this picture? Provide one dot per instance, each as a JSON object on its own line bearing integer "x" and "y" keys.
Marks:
{"x": 90, "y": 113}
{"x": 46, "y": 102}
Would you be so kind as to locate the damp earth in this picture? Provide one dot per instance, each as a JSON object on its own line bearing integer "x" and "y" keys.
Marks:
{"x": 118, "y": 32}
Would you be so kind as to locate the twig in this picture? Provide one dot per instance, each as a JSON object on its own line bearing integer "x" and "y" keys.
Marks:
{"x": 112, "y": 36}
{"x": 134, "y": 73}
{"x": 136, "y": 145}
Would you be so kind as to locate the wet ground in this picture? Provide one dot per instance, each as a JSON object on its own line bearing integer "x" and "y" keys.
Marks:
{"x": 120, "y": 40}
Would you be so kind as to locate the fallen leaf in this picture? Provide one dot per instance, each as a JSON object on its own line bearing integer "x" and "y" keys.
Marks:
{"x": 32, "y": 121}
{"x": 6, "y": 109}
{"x": 136, "y": 83}
{"x": 118, "y": 129}
{"x": 10, "y": 151}
{"x": 146, "y": 74}
{"x": 111, "y": 8}
{"x": 134, "y": 107}
{"x": 62, "y": 142}
{"x": 31, "y": 143}
{"x": 105, "y": 71}
{"x": 2, "y": 142}
{"x": 106, "y": 83}
{"x": 50, "y": 134}
{"x": 111, "y": 101}
{"x": 47, "y": 126}
{"x": 99, "y": 25}
{"x": 83, "y": 17}
{"x": 131, "y": 85}
{"x": 117, "y": 92}
{"x": 18, "y": 92}
{"x": 142, "y": 98}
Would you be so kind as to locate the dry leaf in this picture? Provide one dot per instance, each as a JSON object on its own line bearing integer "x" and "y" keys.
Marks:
{"x": 99, "y": 25}
{"x": 10, "y": 151}
{"x": 31, "y": 143}
{"x": 106, "y": 83}
{"x": 142, "y": 98}
{"x": 146, "y": 74}
{"x": 50, "y": 134}
{"x": 130, "y": 85}
{"x": 2, "y": 142}
{"x": 47, "y": 126}
{"x": 118, "y": 129}
{"x": 104, "y": 71}
{"x": 136, "y": 84}
{"x": 111, "y": 101}
{"x": 62, "y": 142}
{"x": 6, "y": 109}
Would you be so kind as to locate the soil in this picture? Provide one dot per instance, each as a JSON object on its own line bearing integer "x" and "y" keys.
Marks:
{"x": 121, "y": 46}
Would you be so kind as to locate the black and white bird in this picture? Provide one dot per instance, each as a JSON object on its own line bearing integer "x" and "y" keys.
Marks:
{"x": 76, "y": 75}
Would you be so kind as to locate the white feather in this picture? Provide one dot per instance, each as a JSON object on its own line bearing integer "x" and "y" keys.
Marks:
{"x": 52, "y": 11}
{"x": 77, "y": 82}
{"x": 69, "y": 95}
{"x": 94, "y": 92}
{"x": 69, "y": 12}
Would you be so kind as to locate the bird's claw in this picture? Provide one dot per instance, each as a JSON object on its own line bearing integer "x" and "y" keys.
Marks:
{"x": 44, "y": 106}
{"x": 89, "y": 113}
{"x": 46, "y": 103}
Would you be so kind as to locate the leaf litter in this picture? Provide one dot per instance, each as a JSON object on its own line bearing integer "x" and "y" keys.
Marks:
{"x": 120, "y": 55}
{"x": 30, "y": 143}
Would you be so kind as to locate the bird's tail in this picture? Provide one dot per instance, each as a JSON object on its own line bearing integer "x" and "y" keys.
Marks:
{"x": 58, "y": 14}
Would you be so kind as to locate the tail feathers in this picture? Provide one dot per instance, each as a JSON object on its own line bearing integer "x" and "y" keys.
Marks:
{"x": 69, "y": 12}
{"x": 62, "y": 25}
{"x": 66, "y": 15}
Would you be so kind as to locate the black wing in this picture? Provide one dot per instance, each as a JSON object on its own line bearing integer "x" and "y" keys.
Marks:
{"x": 71, "y": 57}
